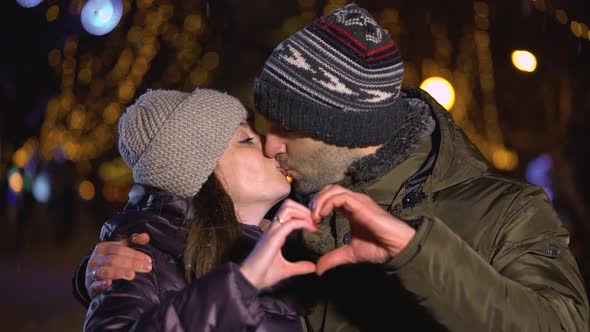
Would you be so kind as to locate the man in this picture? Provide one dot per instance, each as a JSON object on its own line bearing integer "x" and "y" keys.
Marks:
{"x": 438, "y": 241}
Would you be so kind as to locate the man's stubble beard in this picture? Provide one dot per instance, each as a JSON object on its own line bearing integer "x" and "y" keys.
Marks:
{"x": 329, "y": 168}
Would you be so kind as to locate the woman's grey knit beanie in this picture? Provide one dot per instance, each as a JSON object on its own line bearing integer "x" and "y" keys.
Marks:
{"x": 172, "y": 140}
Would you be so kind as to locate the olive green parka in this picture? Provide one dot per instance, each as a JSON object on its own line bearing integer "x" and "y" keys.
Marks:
{"x": 490, "y": 252}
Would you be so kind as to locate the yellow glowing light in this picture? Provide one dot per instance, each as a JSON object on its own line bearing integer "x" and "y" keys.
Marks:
{"x": 54, "y": 57}
{"x": 561, "y": 16}
{"x": 102, "y": 133}
{"x": 210, "y": 60}
{"x": 198, "y": 76}
{"x": 84, "y": 76}
{"x": 134, "y": 34}
{"x": 192, "y": 23}
{"x": 576, "y": 28}
{"x": 67, "y": 100}
{"x": 86, "y": 189}
{"x": 114, "y": 193}
{"x": 111, "y": 113}
{"x": 67, "y": 82}
{"x": 504, "y": 159}
{"x": 584, "y": 28}
{"x": 524, "y": 61}
{"x": 71, "y": 47}
{"x": 126, "y": 91}
{"x": 52, "y": 13}
{"x": 15, "y": 181}
{"x": 481, "y": 8}
{"x": 53, "y": 107}
{"x": 20, "y": 158}
{"x": 140, "y": 66}
{"x": 540, "y": 5}
{"x": 441, "y": 90}
{"x": 389, "y": 15}
{"x": 115, "y": 172}
{"x": 148, "y": 51}
{"x": 143, "y": 4}
{"x": 76, "y": 119}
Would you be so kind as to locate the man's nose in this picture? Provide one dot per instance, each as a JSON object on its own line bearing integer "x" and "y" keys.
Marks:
{"x": 273, "y": 145}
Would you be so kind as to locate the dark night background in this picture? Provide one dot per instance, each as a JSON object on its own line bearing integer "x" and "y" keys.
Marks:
{"x": 63, "y": 89}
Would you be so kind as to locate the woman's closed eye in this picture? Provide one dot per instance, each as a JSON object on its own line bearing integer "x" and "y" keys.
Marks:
{"x": 248, "y": 140}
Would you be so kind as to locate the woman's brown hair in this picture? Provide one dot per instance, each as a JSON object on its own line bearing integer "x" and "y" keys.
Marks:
{"x": 213, "y": 232}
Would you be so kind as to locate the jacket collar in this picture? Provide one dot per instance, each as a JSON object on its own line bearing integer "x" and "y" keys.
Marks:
{"x": 457, "y": 159}
{"x": 147, "y": 198}
{"x": 381, "y": 189}
{"x": 164, "y": 215}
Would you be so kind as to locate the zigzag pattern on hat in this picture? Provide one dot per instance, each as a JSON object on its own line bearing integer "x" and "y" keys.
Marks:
{"x": 344, "y": 66}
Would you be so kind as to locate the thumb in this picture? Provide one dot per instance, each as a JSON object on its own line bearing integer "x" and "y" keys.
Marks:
{"x": 299, "y": 268}
{"x": 98, "y": 286}
{"x": 340, "y": 256}
{"x": 142, "y": 238}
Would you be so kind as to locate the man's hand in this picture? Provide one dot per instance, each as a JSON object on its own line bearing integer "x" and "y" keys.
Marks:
{"x": 376, "y": 236}
{"x": 265, "y": 266}
{"x": 115, "y": 260}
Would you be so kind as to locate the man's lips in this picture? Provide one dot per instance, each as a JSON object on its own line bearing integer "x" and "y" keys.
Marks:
{"x": 282, "y": 170}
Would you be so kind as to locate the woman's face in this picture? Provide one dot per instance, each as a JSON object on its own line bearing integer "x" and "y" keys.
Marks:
{"x": 247, "y": 175}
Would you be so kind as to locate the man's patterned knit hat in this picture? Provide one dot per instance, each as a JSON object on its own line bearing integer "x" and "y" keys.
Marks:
{"x": 338, "y": 80}
{"x": 172, "y": 140}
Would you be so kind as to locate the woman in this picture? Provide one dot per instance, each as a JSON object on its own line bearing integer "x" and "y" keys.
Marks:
{"x": 202, "y": 187}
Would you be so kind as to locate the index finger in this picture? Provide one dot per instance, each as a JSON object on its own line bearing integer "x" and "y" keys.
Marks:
{"x": 120, "y": 250}
{"x": 323, "y": 195}
{"x": 339, "y": 200}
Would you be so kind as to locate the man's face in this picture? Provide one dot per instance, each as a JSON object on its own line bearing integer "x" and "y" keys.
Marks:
{"x": 311, "y": 162}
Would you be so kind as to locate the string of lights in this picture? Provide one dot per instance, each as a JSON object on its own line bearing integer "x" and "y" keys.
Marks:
{"x": 579, "y": 29}
{"x": 96, "y": 85}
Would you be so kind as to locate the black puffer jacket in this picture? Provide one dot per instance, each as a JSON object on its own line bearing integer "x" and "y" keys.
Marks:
{"x": 222, "y": 300}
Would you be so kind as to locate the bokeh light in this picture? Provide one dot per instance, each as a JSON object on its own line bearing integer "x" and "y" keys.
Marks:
{"x": 441, "y": 90}
{"x": 20, "y": 158}
{"x": 86, "y": 190}
{"x": 29, "y": 3}
{"x": 100, "y": 17}
{"x": 524, "y": 61}
{"x": 52, "y": 13}
{"x": 561, "y": 16}
{"x": 538, "y": 173}
{"x": 42, "y": 188}
{"x": 504, "y": 159}
{"x": 15, "y": 182}
{"x": 54, "y": 57}
{"x": 10, "y": 196}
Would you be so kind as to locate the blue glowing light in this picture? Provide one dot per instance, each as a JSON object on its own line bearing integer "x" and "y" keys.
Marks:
{"x": 42, "y": 188}
{"x": 100, "y": 17}
{"x": 10, "y": 197}
{"x": 29, "y": 3}
{"x": 538, "y": 173}
{"x": 59, "y": 154}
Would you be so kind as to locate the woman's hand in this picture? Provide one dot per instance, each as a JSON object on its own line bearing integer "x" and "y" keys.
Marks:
{"x": 265, "y": 266}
